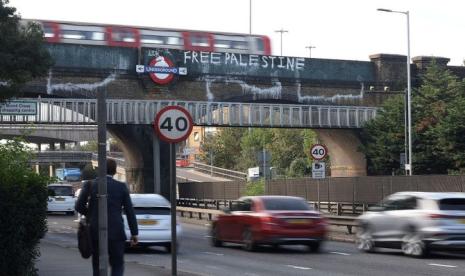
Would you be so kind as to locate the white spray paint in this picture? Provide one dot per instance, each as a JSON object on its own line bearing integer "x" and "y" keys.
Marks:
{"x": 71, "y": 87}
{"x": 4, "y": 83}
{"x": 332, "y": 99}
{"x": 273, "y": 92}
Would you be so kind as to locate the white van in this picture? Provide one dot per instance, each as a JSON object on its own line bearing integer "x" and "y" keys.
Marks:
{"x": 153, "y": 213}
{"x": 61, "y": 198}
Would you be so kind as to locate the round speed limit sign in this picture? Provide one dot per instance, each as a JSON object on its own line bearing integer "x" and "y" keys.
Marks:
{"x": 318, "y": 151}
{"x": 173, "y": 124}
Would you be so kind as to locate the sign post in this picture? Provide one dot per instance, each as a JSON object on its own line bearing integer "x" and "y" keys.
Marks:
{"x": 173, "y": 124}
{"x": 318, "y": 152}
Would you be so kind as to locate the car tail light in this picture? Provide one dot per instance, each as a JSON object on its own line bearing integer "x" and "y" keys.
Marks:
{"x": 269, "y": 221}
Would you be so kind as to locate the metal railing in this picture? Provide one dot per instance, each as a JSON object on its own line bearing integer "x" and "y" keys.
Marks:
{"x": 61, "y": 156}
{"x": 217, "y": 171}
{"x": 125, "y": 111}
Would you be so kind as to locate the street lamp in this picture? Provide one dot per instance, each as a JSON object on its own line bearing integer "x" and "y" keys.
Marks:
{"x": 408, "y": 165}
{"x": 281, "y": 31}
{"x": 310, "y": 47}
{"x": 250, "y": 16}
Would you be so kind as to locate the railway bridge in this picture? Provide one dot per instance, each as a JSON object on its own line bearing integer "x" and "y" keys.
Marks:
{"x": 334, "y": 97}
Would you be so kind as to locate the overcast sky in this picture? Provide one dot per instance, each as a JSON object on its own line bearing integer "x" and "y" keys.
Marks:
{"x": 339, "y": 29}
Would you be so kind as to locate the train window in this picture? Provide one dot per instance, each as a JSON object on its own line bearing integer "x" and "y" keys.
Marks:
{"x": 199, "y": 41}
{"x": 222, "y": 43}
{"x": 260, "y": 46}
{"x": 242, "y": 45}
{"x": 48, "y": 31}
{"x": 174, "y": 40}
{"x": 123, "y": 36}
{"x": 87, "y": 35}
{"x": 155, "y": 39}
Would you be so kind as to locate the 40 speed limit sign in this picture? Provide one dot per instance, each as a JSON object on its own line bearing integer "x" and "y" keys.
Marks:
{"x": 318, "y": 151}
{"x": 173, "y": 124}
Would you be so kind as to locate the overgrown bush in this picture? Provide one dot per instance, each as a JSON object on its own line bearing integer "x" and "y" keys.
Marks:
{"x": 255, "y": 188}
{"x": 23, "y": 209}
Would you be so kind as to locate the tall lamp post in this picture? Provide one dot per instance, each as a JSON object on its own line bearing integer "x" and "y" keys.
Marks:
{"x": 408, "y": 165}
{"x": 310, "y": 47}
{"x": 281, "y": 31}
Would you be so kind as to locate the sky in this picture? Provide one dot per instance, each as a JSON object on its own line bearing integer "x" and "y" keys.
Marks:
{"x": 338, "y": 29}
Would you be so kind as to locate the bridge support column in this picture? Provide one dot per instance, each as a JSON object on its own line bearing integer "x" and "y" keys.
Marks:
{"x": 52, "y": 146}
{"x": 138, "y": 146}
{"x": 50, "y": 170}
{"x": 342, "y": 144}
{"x": 62, "y": 145}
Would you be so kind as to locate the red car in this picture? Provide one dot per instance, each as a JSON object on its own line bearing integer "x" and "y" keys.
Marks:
{"x": 272, "y": 220}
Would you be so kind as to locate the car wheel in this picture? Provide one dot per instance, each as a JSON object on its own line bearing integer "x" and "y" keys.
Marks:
{"x": 214, "y": 237}
{"x": 314, "y": 246}
{"x": 413, "y": 245}
{"x": 247, "y": 240}
{"x": 365, "y": 240}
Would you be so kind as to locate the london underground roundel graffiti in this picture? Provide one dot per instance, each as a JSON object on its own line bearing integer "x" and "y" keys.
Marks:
{"x": 161, "y": 78}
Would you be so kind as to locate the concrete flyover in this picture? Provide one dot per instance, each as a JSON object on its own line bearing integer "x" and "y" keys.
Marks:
{"x": 49, "y": 133}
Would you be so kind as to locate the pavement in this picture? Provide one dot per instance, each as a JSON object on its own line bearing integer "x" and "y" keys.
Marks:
{"x": 59, "y": 260}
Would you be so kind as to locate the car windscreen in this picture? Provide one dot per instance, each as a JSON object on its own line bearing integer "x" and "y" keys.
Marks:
{"x": 152, "y": 210}
{"x": 60, "y": 191}
{"x": 452, "y": 204}
{"x": 283, "y": 204}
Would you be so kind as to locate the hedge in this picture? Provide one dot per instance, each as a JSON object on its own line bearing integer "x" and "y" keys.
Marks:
{"x": 23, "y": 209}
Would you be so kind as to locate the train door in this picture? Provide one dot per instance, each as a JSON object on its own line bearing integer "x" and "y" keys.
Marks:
{"x": 198, "y": 41}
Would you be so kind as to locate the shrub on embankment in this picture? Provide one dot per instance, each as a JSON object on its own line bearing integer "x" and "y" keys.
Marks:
{"x": 23, "y": 210}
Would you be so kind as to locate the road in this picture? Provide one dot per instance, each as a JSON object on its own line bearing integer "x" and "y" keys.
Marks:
{"x": 337, "y": 258}
{"x": 190, "y": 174}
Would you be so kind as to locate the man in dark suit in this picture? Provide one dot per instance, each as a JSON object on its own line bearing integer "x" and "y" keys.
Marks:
{"x": 117, "y": 198}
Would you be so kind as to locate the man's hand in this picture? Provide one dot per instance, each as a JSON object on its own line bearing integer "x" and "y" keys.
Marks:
{"x": 134, "y": 241}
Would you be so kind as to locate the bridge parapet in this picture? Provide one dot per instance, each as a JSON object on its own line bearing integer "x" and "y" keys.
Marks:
{"x": 222, "y": 114}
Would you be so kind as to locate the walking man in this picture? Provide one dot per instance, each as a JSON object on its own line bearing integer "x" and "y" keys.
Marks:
{"x": 117, "y": 199}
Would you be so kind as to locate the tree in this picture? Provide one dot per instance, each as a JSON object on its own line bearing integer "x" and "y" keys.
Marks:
{"x": 22, "y": 54}
{"x": 438, "y": 115}
{"x": 223, "y": 147}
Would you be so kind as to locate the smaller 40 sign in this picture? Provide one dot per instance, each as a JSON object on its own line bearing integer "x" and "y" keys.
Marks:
{"x": 318, "y": 151}
{"x": 173, "y": 124}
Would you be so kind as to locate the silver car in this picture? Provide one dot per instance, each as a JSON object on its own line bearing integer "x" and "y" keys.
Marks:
{"x": 414, "y": 222}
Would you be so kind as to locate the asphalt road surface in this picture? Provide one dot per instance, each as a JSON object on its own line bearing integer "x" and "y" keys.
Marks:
{"x": 336, "y": 258}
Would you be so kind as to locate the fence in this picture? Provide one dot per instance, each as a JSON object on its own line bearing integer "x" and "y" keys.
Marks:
{"x": 217, "y": 171}
{"x": 353, "y": 190}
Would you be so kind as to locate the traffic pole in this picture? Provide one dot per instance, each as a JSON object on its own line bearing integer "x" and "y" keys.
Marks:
{"x": 173, "y": 208}
{"x": 102, "y": 181}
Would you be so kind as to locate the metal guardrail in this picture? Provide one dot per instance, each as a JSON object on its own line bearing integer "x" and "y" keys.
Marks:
{"x": 217, "y": 171}
{"x": 209, "y": 214}
{"x": 125, "y": 111}
{"x": 330, "y": 208}
{"x": 61, "y": 156}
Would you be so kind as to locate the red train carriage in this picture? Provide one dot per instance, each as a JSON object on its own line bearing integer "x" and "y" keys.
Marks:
{"x": 135, "y": 37}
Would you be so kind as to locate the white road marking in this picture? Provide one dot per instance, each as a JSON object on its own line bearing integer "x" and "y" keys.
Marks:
{"x": 207, "y": 236}
{"x": 299, "y": 267}
{"x": 340, "y": 253}
{"x": 443, "y": 265}
{"x": 213, "y": 253}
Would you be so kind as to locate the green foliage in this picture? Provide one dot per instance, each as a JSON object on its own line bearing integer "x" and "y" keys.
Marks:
{"x": 222, "y": 149}
{"x": 238, "y": 149}
{"x": 255, "y": 188}
{"x": 299, "y": 167}
{"x": 90, "y": 146}
{"x": 22, "y": 55}
{"x": 438, "y": 125}
{"x": 23, "y": 205}
{"x": 88, "y": 172}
